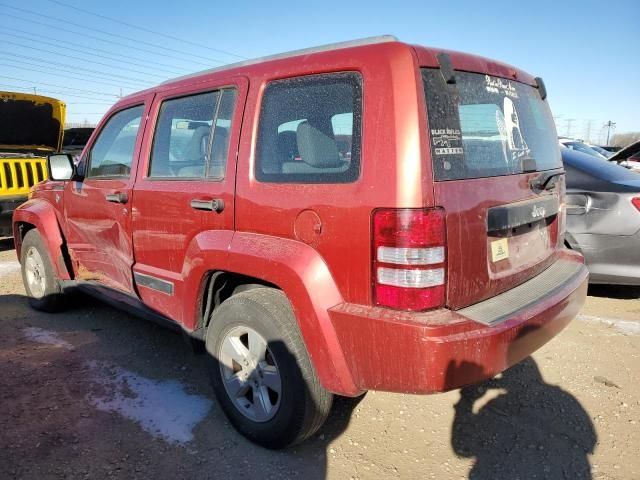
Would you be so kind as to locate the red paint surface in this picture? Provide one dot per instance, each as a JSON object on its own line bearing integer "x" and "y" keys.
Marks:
{"x": 324, "y": 267}
{"x": 472, "y": 276}
{"x": 97, "y": 232}
{"x": 441, "y": 350}
{"x": 167, "y": 232}
{"x": 44, "y": 216}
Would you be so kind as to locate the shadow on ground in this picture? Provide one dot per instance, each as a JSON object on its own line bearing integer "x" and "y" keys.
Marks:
{"x": 6, "y": 243}
{"x": 50, "y": 429}
{"x": 514, "y": 426}
{"x": 518, "y": 426}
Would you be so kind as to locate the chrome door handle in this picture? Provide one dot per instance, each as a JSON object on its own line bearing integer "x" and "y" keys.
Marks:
{"x": 117, "y": 197}
{"x": 215, "y": 205}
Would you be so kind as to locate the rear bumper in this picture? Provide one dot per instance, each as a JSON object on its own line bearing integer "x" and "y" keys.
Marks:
{"x": 442, "y": 350}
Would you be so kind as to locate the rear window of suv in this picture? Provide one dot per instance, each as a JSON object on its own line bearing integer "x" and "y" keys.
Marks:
{"x": 485, "y": 126}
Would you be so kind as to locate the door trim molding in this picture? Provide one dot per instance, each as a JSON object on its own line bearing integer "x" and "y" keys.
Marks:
{"x": 154, "y": 283}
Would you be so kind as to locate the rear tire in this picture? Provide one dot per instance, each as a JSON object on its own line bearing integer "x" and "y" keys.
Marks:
{"x": 261, "y": 372}
{"x": 43, "y": 288}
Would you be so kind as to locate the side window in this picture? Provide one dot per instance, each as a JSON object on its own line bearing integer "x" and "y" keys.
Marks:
{"x": 310, "y": 130}
{"x": 191, "y": 138}
{"x": 112, "y": 153}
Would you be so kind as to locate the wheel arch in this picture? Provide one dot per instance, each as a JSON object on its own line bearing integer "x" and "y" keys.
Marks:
{"x": 255, "y": 261}
{"x": 217, "y": 286}
{"x": 42, "y": 216}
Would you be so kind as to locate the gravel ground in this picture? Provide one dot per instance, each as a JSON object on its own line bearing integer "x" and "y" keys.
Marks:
{"x": 96, "y": 393}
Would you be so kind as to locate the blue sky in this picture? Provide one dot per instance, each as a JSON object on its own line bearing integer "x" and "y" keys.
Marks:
{"x": 588, "y": 52}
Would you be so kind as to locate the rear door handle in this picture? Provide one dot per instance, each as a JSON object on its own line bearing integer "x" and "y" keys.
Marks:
{"x": 117, "y": 197}
{"x": 215, "y": 205}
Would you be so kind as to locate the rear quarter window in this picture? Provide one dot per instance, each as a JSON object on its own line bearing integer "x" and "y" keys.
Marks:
{"x": 310, "y": 130}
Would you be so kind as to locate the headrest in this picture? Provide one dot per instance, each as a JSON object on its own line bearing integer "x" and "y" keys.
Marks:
{"x": 219, "y": 147}
{"x": 287, "y": 145}
{"x": 197, "y": 146}
{"x": 316, "y": 148}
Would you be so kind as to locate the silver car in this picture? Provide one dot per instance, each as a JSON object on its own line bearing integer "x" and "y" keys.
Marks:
{"x": 603, "y": 217}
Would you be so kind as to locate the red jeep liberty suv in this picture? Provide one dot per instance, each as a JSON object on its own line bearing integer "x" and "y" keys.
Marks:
{"x": 366, "y": 215}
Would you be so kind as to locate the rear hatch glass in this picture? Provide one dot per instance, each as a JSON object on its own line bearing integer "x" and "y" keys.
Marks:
{"x": 490, "y": 139}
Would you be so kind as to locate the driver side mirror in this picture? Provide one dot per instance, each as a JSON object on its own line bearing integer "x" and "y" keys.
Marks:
{"x": 61, "y": 166}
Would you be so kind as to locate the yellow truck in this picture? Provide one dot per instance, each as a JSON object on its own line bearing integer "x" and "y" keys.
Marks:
{"x": 31, "y": 127}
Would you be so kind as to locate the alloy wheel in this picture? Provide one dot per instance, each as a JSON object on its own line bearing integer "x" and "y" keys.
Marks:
{"x": 35, "y": 273}
{"x": 250, "y": 374}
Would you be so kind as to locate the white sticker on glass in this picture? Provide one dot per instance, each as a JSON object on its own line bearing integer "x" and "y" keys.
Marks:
{"x": 498, "y": 85}
{"x": 446, "y": 141}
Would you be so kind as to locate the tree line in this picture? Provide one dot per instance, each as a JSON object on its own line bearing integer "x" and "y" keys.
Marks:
{"x": 624, "y": 139}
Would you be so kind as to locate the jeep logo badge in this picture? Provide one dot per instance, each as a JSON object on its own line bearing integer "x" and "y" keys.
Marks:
{"x": 537, "y": 211}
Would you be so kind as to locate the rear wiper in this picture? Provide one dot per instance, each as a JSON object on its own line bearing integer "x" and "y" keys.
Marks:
{"x": 545, "y": 181}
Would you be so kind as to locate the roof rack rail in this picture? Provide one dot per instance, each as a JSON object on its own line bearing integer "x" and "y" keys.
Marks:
{"x": 293, "y": 53}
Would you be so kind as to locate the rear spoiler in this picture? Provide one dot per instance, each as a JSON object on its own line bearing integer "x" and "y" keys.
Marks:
{"x": 447, "y": 72}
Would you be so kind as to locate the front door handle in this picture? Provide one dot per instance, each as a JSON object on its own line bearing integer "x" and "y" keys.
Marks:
{"x": 117, "y": 197}
{"x": 215, "y": 205}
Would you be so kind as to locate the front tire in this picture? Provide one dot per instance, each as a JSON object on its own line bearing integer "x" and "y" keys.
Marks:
{"x": 43, "y": 289}
{"x": 261, "y": 372}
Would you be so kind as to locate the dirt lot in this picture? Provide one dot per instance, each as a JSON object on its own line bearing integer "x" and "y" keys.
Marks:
{"x": 96, "y": 393}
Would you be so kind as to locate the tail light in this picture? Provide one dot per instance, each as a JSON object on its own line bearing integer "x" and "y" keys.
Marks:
{"x": 409, "y": 258}
{"x": 636, "y": 202}
{"x": 562, "y": 222}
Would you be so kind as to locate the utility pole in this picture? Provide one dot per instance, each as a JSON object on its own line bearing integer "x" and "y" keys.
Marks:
{"x": 609, "y": 125}
{"x": 34, "y": 91}
{"x": 568, "y": 128}
{"x": 556, "y": 119}
{"x": 587, "y": 133}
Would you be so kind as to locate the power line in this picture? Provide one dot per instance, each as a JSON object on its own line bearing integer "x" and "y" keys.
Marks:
{"x": 89, "y": 103}
{"x": 64, "y": 21}
{"x": 57, "y": 73}
{"x": 144, "y": 29}
{"x": 79, "y": 90}
{"x": 110, "y": 42}
{"x": 146, "y": 83}
{"x": 20, "y": 87}
{"x": 91, "y": 51}
{"x": 83, "y": 59}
